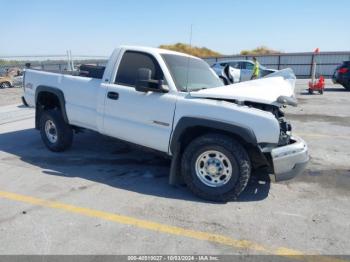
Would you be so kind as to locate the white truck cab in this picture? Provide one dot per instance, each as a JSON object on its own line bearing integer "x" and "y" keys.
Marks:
{"x": 174, "y": 103}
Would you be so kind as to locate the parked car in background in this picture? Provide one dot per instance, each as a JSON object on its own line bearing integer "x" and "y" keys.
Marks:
{"x": 6, "y": 82}
{"x": 11, "y": 77}
{"x": 342, "y": 75}
{"x": 17, "y": 78}
{"x": 17, "y": 81}
{"x": 241, "y": 70}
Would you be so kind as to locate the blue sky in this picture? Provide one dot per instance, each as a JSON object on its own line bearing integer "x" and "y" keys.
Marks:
{"x": 228, "y": 26}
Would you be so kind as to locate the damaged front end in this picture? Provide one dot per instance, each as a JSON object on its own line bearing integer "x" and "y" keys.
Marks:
{"x": 290, "y": 157}
{"x": 285, "y": 126}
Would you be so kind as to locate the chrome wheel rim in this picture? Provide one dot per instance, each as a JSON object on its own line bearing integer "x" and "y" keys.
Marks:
{"x": 213, "y": 168}
{"x": 51, "y": 131}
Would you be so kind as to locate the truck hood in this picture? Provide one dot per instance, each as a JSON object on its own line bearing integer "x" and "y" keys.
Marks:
{"x": 276, "y": 89}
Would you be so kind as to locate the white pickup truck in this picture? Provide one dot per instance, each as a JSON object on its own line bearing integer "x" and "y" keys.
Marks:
{"x": 174, "y": 103}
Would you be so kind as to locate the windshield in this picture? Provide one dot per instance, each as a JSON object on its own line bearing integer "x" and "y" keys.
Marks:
{"x": 191, "y": 74}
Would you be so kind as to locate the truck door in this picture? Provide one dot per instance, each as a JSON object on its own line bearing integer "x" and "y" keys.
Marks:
{"x": 138, "y": 117}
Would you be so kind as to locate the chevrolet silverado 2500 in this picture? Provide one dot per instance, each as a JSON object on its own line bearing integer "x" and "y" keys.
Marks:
{"x": 175, "y": 103}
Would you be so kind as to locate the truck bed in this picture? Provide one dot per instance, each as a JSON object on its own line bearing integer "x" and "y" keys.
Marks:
{"x": 78, "y": 90}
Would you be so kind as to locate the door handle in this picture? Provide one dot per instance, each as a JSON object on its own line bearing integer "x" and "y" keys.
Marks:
{"x": 113, "y": 95}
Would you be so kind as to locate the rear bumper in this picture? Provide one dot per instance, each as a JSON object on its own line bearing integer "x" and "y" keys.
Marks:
{"x": 341, "y": 79}
{"x": 289, "y": 161}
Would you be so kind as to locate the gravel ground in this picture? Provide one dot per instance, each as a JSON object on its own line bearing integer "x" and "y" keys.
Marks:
{"x": 10, "y": 96}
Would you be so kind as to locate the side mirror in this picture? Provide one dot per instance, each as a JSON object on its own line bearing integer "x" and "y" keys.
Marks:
{"x": 145, "y": 84}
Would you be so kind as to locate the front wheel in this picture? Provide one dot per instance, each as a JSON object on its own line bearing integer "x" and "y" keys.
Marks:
{"x": 216, "y": 167}
{"x": 56, "y": 134}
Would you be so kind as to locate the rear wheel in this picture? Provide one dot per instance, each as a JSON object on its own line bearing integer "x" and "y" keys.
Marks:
{"x": 216, "y": 167}
{"x": 310, "y": 91}
{"x": 56, "y": 134}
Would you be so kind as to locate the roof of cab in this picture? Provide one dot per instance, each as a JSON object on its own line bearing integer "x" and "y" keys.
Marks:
{"x": 153, "y": 50}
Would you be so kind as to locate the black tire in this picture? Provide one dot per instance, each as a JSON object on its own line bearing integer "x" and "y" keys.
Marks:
{"x": 63, "y": 131}
{"x": 347, "y": 87}
{"x": 5, "y": 85}
{"x": 234, "y": 151}
{"x": 321, "y": 92}
{"x": 311, "y": 91}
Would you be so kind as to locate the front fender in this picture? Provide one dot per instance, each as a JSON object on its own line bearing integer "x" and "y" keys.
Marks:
{"x": 185, "y": 123}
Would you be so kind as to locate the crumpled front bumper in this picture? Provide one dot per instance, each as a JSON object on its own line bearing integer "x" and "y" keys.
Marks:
{"x": 290, "y": 160}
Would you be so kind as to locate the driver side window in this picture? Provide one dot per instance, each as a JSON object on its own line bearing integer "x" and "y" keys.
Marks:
{"x": 130, "y": 64}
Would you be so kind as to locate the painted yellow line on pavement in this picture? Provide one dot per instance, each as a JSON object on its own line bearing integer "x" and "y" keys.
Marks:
{"x": 158, "y": 227}
{"x": 322, "y": 135}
